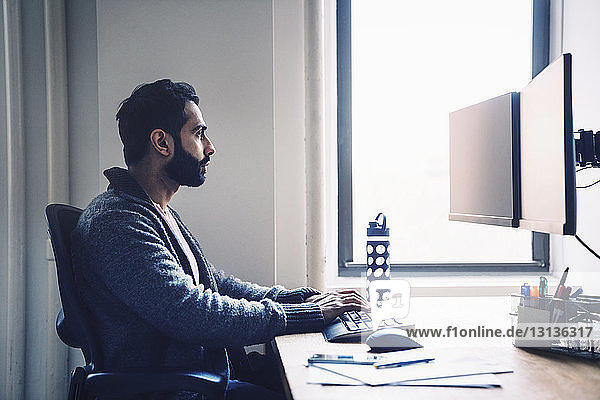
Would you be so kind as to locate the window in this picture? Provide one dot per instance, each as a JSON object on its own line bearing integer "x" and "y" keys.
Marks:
{"x": 402, "y": 67}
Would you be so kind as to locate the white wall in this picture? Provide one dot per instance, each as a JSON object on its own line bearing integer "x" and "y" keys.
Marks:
{"x": 580, "y": 33}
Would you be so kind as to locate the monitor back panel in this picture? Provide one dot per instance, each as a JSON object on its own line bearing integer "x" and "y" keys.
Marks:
{"x": 484, "y": 174}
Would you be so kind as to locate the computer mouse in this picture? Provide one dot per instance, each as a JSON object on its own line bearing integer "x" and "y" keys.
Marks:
{"x": 390, "y": 339}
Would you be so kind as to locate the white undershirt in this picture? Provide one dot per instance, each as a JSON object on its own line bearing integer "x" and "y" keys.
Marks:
{"x": 184, "y": 245}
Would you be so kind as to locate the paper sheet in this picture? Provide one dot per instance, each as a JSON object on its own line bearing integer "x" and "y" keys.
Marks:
{"x": 448, "y": 367}
{"x": 324, "y": 377}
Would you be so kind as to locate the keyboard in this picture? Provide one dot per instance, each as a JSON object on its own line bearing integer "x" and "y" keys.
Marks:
{"x": 351, "y": 326}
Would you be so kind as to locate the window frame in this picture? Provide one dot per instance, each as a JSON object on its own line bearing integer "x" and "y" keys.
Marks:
{"x": 540, "y": 242}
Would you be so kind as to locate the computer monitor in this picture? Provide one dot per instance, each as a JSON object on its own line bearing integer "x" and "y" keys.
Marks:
{"x": 548, "y": 200}
{"x": 484, "y": 162}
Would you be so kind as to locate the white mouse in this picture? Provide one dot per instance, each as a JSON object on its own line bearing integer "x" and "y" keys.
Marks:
{"x": 391, "y": 339}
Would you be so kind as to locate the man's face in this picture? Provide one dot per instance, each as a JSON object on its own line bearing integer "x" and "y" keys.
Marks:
{"x": 192, "y": 150}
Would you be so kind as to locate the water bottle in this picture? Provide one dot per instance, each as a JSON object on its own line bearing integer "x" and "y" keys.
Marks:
{"x": 378, "y": 250}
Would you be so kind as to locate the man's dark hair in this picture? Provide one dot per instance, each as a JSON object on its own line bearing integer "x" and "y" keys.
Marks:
{"x": 157, "y": 105}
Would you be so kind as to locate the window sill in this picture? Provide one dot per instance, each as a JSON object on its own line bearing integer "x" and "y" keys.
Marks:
{"x": 457, "y": 285}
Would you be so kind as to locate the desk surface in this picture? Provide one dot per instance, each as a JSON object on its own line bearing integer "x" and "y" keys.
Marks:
{"x": 536, "y": 375}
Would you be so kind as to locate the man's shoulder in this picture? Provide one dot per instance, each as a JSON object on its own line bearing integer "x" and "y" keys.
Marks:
{"x": 106, "y": 206}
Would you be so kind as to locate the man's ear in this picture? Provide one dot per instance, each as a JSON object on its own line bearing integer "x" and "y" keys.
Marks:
{"x": 161, "y": 142}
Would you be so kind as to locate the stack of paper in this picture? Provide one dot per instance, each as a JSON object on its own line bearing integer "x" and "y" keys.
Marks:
{"x": 463, "y": 371}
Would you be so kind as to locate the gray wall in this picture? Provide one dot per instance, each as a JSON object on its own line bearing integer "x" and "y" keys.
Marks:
{"x": 82, "y": 75}
{"x": 3, "y": 210}
{"x": 224, "y": 49}
{"x": 36, "y": 197}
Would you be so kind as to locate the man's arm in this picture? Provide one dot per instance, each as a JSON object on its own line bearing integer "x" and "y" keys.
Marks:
{"x": 134, "y": 263}
{"x": 238, "y": 289}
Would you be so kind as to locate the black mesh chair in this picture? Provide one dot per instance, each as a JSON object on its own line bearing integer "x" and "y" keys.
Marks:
{"x": 75, "y": 331}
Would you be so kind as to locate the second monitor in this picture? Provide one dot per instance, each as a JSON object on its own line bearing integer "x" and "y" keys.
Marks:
{"x": 548, "y": 199}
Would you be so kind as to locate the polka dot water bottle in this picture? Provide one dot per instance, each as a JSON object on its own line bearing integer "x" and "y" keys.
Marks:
{"x": 378, "y": 250}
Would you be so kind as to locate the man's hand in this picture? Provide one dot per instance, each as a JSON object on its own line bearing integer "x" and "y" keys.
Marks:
{"x": 339, "y": 301}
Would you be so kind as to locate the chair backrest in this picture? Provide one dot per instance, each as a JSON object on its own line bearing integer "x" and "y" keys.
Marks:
{"x": 71, "y": 324}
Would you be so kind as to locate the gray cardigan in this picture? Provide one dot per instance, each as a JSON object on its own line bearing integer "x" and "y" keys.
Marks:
{"x": 137, "y": 286}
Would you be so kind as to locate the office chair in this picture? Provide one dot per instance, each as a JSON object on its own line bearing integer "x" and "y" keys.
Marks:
{"x": 75, "y": 331}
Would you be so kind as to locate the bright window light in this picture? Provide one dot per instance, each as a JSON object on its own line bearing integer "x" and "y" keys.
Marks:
{"x": 413, "y": 62}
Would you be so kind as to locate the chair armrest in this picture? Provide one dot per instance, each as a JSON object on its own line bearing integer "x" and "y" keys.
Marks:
{"x": 131, "y": 383}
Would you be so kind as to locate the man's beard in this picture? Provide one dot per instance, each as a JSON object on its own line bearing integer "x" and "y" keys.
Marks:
{"x": 184, "y": 168}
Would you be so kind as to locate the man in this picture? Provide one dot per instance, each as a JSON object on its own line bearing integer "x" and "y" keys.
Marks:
{"x": 152, "y": 296}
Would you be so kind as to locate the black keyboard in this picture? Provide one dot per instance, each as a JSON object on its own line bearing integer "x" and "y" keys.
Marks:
{"x": 351, "y": 326}
{"x": 356, "y": 320}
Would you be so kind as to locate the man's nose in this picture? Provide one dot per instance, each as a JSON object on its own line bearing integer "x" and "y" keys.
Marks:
{"x": 209, "y": 150}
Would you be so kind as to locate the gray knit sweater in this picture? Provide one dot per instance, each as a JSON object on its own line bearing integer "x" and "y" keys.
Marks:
{"x": 138, "y": 288}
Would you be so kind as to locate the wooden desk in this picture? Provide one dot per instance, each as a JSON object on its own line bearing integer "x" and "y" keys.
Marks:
{"x": 536, "y": 375}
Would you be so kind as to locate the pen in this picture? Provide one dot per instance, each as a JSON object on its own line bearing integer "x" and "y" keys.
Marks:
{"x": 345, "y": 359}
{"x": 403, "y": 363}
{"x": 563, "y": 278}
{"x": 577, "y": 292}
{"x": 561, "y": 284}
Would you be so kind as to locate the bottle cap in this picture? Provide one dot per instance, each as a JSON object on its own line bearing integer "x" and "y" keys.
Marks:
{"x": 378, "y": 229}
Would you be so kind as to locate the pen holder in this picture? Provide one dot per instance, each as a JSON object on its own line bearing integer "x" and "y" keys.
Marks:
{"x": 553, "y": 320}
